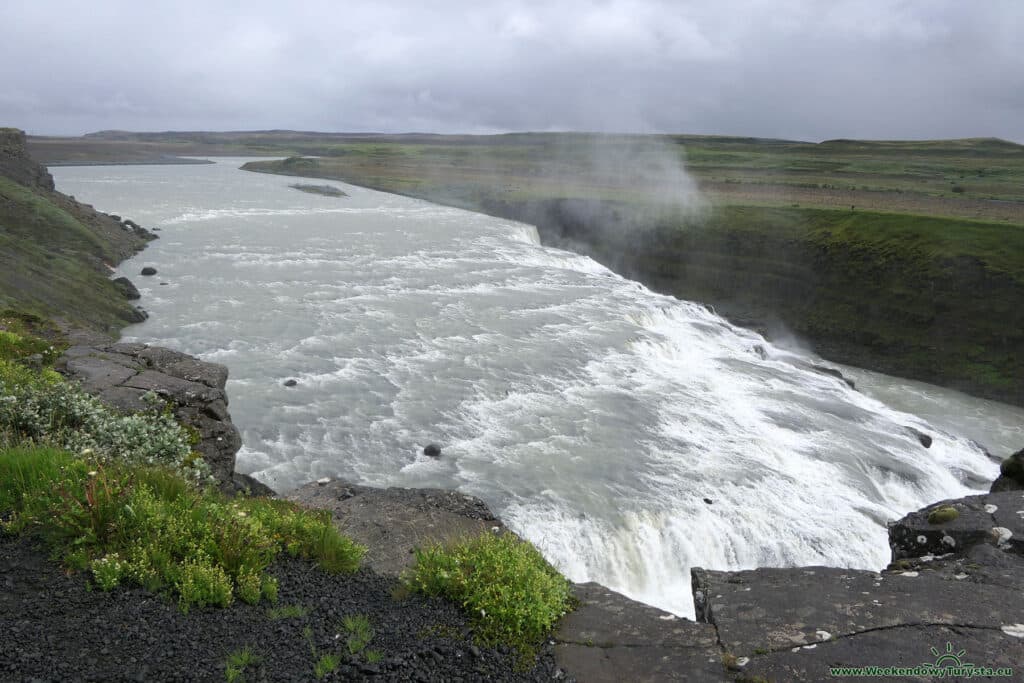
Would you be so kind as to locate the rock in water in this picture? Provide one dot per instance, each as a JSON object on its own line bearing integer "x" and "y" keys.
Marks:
{"x": 291, "y": 382}
{"x": 433, "y": 450}
{"x": 834, "y": 373}
{"x": 923, "y": 438}
{"x": 125, "y": 286}
{"x": 148, "y": 270}
{"x": 1011, "y": 474}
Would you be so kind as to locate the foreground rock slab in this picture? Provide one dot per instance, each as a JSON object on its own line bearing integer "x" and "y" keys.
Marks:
{"x": 954, "y": 585}
{"x": 121, "y": 374}
{"x": 393, "y": 522}
{"x": 609, "y": 637}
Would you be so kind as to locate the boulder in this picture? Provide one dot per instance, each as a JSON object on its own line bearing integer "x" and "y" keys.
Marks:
{"x": 127, "y": 289}
{"x": 934, "y": 530}
{"x": 433, "y": 450}
{"x": 1011, "y": 474}
{"x": 134, "y": 315}
{"x": 290, "y": 382}
{"x": 245, "y": 484}
{"x": 921, "y": 437}
{"x": 148, "y": 270}
{"x": 832, "y": 372}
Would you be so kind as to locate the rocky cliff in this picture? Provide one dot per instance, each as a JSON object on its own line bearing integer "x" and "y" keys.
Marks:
{"x": 16, "y": 164}
{"x": 120, "y": 374}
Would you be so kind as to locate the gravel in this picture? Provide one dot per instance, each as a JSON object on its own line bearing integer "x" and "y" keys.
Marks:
{"x": 53, "y": 627}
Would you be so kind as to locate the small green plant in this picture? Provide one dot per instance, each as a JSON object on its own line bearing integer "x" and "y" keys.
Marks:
{"x": 359, "y": 631}
{"x": 326, "y": 664}
{"x": 237, "y": 661}
{"x": 941, "y": 515}
{"x": 373, "y": 656}
{"x": 287, "y": 612}
{"x": 39, "y": 407}
{"x": 508, "y": 588}
{"x": 107, "y": 571}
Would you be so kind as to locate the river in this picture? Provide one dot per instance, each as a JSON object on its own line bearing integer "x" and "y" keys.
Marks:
{"x": 629, "y": 435}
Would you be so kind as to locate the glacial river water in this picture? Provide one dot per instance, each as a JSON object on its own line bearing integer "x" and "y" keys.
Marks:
{"x": 629, "y": 435}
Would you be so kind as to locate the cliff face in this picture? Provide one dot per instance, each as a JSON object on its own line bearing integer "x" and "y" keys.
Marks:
{"x": 56, "y": 253}
{"x": 16, "y": 164}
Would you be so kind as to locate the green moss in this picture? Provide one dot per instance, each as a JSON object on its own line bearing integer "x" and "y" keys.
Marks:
{"x": 941, "y": 515}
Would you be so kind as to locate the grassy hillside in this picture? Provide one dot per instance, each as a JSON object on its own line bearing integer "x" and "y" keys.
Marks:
{"x": 54, "y": 252}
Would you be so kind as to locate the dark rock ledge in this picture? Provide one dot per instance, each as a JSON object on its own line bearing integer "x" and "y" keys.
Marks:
{"x": 120, "y": 374}
{"x": 956, "y": 577}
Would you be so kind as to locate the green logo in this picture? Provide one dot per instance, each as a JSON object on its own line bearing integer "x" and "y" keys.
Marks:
{"x": 949, "y": 663}
{"x": 948, "y": 658}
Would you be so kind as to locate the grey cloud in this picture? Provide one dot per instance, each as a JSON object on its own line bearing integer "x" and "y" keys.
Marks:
{"x": 781, "y": 68}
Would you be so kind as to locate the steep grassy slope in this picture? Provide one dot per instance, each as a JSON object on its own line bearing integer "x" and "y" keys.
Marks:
{"x": 55, "y": 252}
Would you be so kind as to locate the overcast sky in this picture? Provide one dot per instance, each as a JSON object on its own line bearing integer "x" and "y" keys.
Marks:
{"x": 803, "y": 69}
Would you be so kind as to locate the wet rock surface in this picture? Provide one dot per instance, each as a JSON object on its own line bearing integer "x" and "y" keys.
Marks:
{"x": 121, "y": 374}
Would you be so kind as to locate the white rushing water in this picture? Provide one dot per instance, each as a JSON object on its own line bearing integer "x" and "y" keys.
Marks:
{"x": 593, "y": 416}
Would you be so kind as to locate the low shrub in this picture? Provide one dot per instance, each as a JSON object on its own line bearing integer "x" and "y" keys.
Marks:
{"x": 40, "y": 407}
{"x": 146, "y": 525}
{"x": 504, "y": 583}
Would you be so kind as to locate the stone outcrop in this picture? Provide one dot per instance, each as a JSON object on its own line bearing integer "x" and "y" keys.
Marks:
{"x": 126, "y": 287}
{"x": 609, "y": 637}
{"x": 1011, "y": 474}
{"x": 954, "y": 579}
{"x": 393, "y": 522}
{"x": 16, "y": 164}
{"x": 120, "y": 374}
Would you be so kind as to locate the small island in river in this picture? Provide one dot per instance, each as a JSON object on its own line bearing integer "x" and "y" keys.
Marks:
{"x": 325, "y": 190}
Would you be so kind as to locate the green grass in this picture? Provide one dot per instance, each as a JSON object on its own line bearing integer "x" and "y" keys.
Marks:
{"x": 236, "y": 664}
{"x": 325, "y": 664}
{"x": 142, "y": 525}
{"x": 287, "y": 612}
{"x": 510, "y": 591}
{"x": 358, "y": 632}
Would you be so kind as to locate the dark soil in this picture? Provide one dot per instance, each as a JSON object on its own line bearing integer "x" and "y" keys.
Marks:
{"x": 54, "y": 627}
